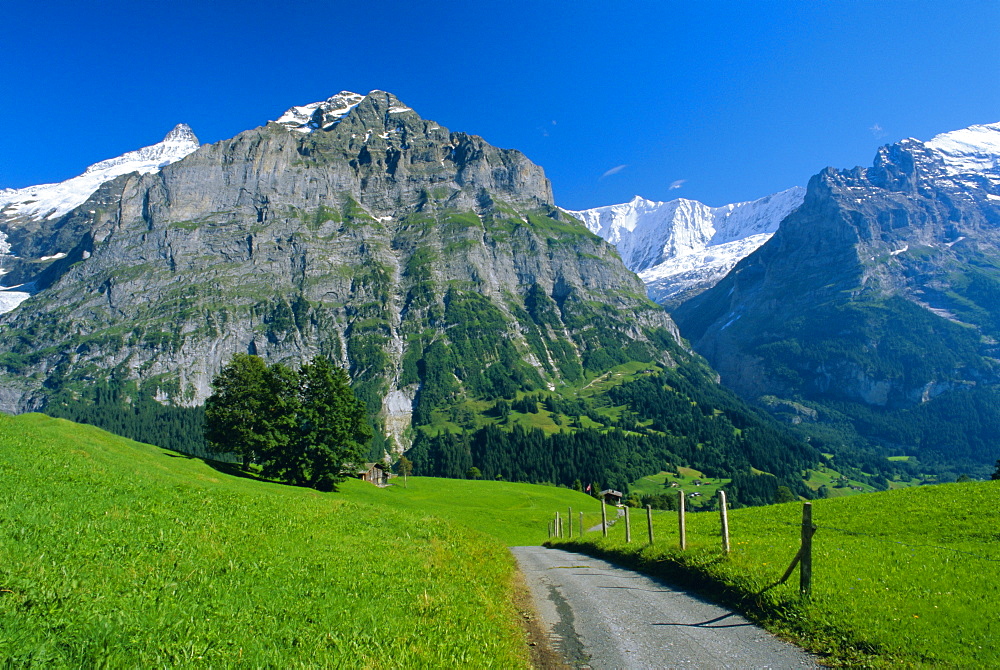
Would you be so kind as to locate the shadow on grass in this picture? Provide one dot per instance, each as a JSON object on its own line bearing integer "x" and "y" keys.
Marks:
{"x": 233, "y": 469}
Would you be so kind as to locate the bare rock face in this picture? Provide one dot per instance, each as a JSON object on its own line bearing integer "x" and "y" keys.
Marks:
{"x": 430, "y": 263}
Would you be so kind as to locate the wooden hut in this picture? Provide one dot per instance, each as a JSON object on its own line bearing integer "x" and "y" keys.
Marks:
{"x": 375, "y": 473}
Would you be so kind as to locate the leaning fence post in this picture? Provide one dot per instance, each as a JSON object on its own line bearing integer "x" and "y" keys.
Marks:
{"x": 725, "y": 521}
{"x": 649, "y": 522}
{"x": 628, "y": 527}
{"x": 604, "y": 519}
{"x": 680, "y": 520}
{"x": 805, "y": 564}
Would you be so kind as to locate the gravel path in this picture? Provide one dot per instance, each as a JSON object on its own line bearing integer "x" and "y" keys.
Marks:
{"x": 602, "y": 616}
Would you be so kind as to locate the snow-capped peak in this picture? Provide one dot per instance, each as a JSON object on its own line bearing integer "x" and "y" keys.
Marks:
{"x": 325, "y": 114}
{"x": 974, "y": 149}
{"x": 50, "y": 201}
{"x": 681, "y": 244}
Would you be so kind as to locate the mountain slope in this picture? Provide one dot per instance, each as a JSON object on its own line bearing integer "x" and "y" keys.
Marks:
{"x": 876, "y": 303}
{"x": 682, "y": 247}
{"x": 431, "y": 264}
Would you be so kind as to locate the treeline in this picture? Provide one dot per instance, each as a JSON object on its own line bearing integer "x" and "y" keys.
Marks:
{"x": 119, "y": 407}
{"x": 692, "y": 425}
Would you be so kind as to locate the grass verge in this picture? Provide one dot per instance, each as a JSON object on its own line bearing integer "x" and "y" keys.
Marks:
{"x": 901, "y": 578}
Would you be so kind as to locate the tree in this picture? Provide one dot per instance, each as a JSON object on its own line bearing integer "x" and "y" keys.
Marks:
{"x": 304, "y": 427}
{"x": 996, "y": 475}
{"x": 473, "y": 473}
{"x": 784, "y": 494}
{"x": 282, "y": 457}
{"x": 234, "y": 413}
{"x": 333, "y": 430}
{"x": 404, "y": 467}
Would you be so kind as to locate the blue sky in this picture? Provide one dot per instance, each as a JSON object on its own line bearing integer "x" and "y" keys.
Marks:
{"x": 716, "y": 101}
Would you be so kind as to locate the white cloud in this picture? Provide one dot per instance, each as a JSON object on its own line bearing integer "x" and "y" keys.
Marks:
{"x": 615, "y": 170}
{"x": 676, "y": 184}
{"x": 877, "y": 131}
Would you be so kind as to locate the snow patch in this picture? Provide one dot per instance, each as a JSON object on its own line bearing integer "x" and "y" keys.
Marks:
{"x": 12, "y": 296}
{"x": 324, "y": 114}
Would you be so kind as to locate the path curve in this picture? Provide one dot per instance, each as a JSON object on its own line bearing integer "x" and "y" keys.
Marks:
{"x": 601, "y": 616}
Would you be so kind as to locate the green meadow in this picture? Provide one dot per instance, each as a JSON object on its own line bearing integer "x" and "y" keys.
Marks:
{"x": 515, "y": 514}
{"x": 119, "y": 554}
{"x": 900, "y": 578}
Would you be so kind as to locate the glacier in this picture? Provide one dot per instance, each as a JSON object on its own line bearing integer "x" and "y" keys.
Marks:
{"x": 50, "y": 201}
{"x": 682, "y": 247}
{"x": 972, "y": 150}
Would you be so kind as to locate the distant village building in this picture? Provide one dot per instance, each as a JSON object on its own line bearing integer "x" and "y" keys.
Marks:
{"x": 611, "y": 496}
{"x": 375, "y": 473}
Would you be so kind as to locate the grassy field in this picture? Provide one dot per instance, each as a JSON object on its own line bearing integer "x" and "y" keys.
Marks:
{"x": 684, "y": 478}
{"x": 515, "y": 514}
{"x": 117, "y": 554}
{"x": 901, "y": 578}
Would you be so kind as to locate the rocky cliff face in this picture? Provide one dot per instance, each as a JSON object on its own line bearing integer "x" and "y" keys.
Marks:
{"x": 430, "y": 263}
{"x": 881, "y": 289}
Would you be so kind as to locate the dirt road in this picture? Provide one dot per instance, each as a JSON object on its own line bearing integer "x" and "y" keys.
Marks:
{"x": 601, "y": 616}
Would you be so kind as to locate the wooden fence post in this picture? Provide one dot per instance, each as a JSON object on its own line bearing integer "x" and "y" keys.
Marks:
{"x": 628, "y": 527}
{"x": 569, "y": 523}
{"x": 680, "y": 520}
{"x": 558, "y": 525}
{"x": 581, "y": 524}
{"x": 806, "y": 563}
{"x": 604, "y": 519}
{"x": 725, "y": 521}
{"x": 649, "y": 521}
{"x": 548, "y": 526}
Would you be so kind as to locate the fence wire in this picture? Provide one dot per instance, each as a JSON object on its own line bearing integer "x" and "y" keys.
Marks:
{"x": 888, "y": 541}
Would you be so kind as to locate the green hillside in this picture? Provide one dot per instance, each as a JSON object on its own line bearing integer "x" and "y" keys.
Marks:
{"x": 516, "y": 514}
{"x": 901, "y": 578}
{"x": 118, "y": 554}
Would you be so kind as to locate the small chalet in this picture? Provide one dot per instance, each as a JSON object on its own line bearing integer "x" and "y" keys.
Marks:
{"x": 611, "y": 497}
{"x": 375, "y": 473}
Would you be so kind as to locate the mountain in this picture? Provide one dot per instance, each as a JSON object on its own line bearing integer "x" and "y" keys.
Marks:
{"x": 27, "y": 211}
{"x": 481, "y": 325}
{"x": 682, "y": 247}
{"x": 872, "y": 316}
{"x": 350, "y": 227}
